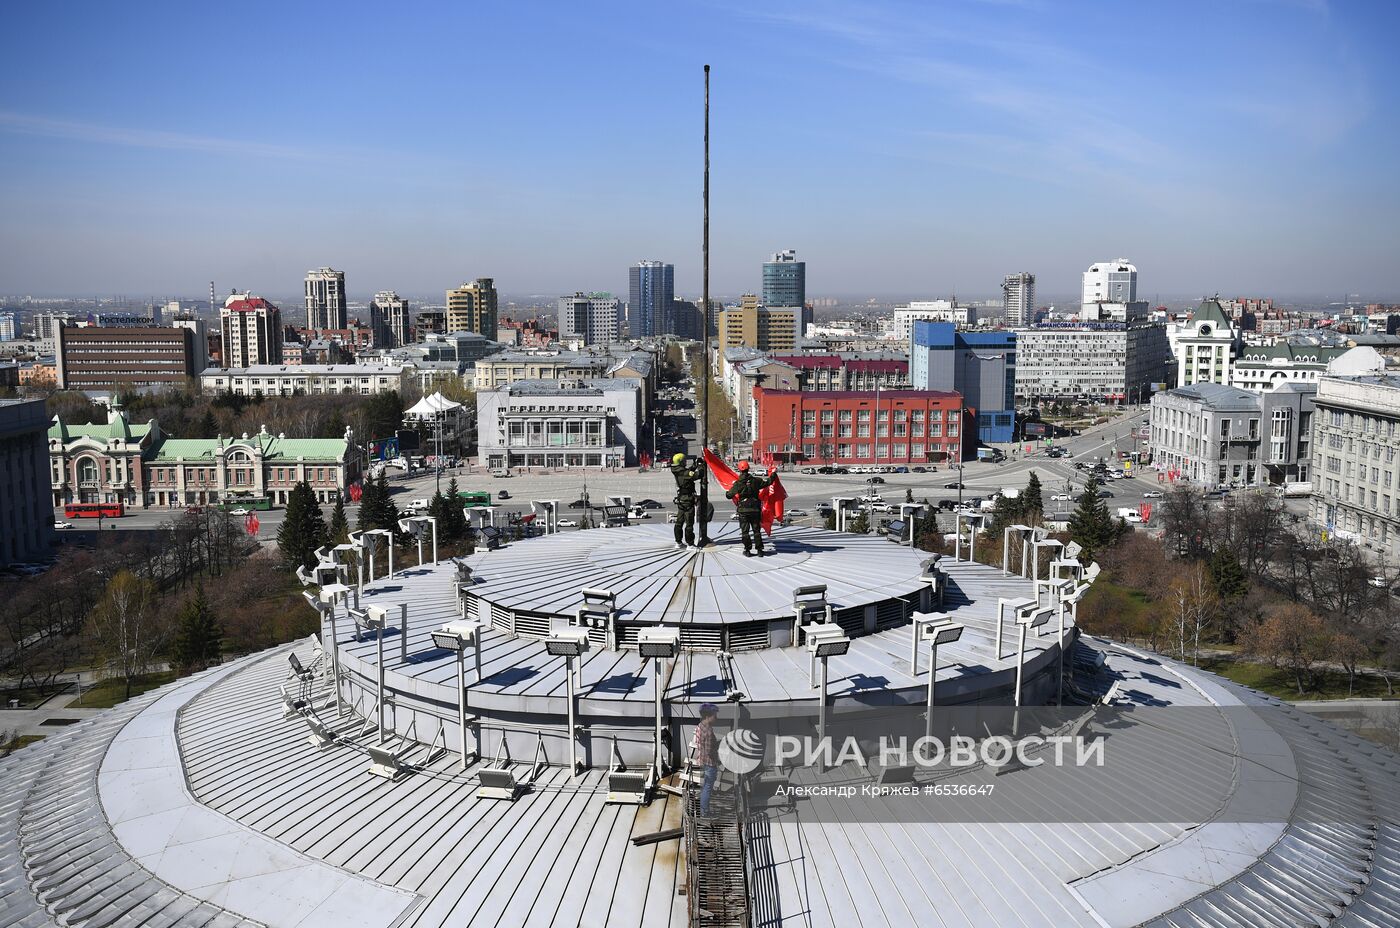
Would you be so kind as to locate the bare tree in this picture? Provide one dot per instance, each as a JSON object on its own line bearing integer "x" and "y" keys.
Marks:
{"x": 1185, "y": 522}
{"x": 127, "y": 627}
{"x": 1193, "y": 605}
{"x": 1293, "y": 638}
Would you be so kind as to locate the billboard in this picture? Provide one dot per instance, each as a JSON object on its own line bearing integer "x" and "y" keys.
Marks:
{"x": 1035, "y": 428}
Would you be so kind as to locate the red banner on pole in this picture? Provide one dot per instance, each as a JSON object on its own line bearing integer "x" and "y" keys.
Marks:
{"x": 771, "y": 496}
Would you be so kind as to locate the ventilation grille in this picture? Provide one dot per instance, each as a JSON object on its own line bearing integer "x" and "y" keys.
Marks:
{"x": 500, "y": 617}
{"x": 851, "y": 620}
{"x": 702, "y": 638}
{"x": 748, "y": 636}
{"x": 627, "y": 635}
{"x": 531, "y": 624}
{"x": 889, "y": 614}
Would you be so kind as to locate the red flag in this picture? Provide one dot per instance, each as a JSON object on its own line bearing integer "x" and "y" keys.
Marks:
{"x": 251, "y": 524}
{"x": 771, "y": 496}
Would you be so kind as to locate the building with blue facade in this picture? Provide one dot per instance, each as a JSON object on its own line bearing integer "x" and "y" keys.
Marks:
{"x": 979, "y": 365}
{"x": 651, "y": 292}
{"x": 784, "y": 280}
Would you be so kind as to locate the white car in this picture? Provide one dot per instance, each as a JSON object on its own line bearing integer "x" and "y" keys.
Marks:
{"x": 1061, "y": 498}
{"x": 240, "y": 511}
{"x": 1152, "y": 494}
{"x": 568, "y": 523}
{"x": 62, "y": 525}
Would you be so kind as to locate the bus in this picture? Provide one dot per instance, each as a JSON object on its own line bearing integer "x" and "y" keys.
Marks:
{"x": 93, "y": 510}
{"x": 474, "y": 498}
{"x": 260, "y": 503}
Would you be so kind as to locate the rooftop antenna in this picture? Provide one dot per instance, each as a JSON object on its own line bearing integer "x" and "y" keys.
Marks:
{"x": 705, "y": 323}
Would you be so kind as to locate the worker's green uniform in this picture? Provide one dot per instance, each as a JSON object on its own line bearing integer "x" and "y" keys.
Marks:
{"x": 744, "y": 492}
{"x": 687, "y": 476}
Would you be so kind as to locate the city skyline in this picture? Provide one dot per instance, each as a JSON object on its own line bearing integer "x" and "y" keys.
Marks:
{"x": 909, "y": 136}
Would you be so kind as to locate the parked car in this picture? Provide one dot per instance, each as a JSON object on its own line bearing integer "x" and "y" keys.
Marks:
{"x": 947, "y": 505}
{"x": 796, "y": 513}
{"x": 568, "y": 523}
{"x": 918, "y": 469}
{"x": 809, "y": 470}
{"x": 62, "y": 525}
{"x": 1153, "y": 494}
{"x": 1061, "y": 497}
{"x": 240, "y": 511}
{"x": 650, "y": 504}
{"x": 504, "y": 494}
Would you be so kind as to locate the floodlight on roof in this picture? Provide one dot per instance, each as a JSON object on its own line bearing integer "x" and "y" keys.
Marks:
{"x": 384, "y": 763}
{"x": 834, "y": 648}
{"x": 314, "y": 600}
{"x": 658, "y": 642}
{"x": 456, "y": 636}
{"x": 333, "y": 591}
{"x": 1033, "y": 619}
{"x": 943, "y": 632}
{"x": 567, "y": 642}
{"x": 375, "y": 617}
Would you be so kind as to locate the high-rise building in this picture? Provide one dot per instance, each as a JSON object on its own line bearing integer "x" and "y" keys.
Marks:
{"x": 1018, "y": 296}
{"x": 325, "y": 299}
{"x": 686, "y": 320}
{"x": 1110, "y": 282}
{"x": 651, "y": 290}
{"x": 784, "y": 280}
{"x": 9, "y": 327}
{"x": 201, "y": 336}
{"x": 979, "y": 365}
{"x": 99, "y": 358}
{"x": 595, "y": 318}
{"x": 472, "y": 308}
{"x": 389, "y": 320}
{"x": 252, "y": 329}
{"x": 767, "y": 328}
{"x": 46, "y": 325}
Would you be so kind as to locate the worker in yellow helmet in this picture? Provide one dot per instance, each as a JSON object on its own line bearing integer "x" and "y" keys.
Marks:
{"x": 687, "y": 475}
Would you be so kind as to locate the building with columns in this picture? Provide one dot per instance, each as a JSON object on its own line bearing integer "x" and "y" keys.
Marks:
{"x": 26, "y": 522}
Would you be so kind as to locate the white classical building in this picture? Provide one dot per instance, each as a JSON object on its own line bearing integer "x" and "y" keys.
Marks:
{"x": 560, "y": 423}
{"x": 298, "y": 379}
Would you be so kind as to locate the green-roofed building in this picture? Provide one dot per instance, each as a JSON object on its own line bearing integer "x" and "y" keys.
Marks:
{"x": 1206, "y": 348}
{"x": 138, "y": 466}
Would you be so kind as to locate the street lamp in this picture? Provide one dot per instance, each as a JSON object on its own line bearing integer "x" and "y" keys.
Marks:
{"x": 569, "y": 643}
{"x": 457, "y": 637}
{"x": 824, "y": 641}
{"x": 945, "y": 631}
{"x": 659, "y": 644}
{"x": 330, "y": 594}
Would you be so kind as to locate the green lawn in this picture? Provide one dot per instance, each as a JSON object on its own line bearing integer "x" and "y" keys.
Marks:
{"x": 108, "y": 693}
{"x": 1279, "y": 683}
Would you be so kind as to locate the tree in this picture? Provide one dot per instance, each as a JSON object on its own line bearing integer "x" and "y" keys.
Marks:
{"x": 1032, "y": 501}
{"x": 377, "y": 509}
{"x": 858, "y": 524}
{"x": 127, "y": 627}
{"x": 339, "y": 529}
{"x": 1193, "y": 605}
{"x": 1184, "y": 517}
{"x": 1227, "y": 576}
{"x": 1091, "y": 525}
{"x": 303, "y": 530}
{"x": 198, "y": 637}
{"x": 1293, "y": 638}
{"x": 1349, "y": 651}
{"x": 208, "y": 426}
{"x": 453, "y": 522}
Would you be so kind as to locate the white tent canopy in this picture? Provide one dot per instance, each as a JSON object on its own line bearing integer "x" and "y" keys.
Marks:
{"x": 430, "y": 406}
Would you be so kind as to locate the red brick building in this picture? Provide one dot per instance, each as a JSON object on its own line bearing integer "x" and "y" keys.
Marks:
{"x": 858, "y": 427}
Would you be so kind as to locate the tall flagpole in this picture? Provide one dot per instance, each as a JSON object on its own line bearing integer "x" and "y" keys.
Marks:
{"x": 705, "y": 324}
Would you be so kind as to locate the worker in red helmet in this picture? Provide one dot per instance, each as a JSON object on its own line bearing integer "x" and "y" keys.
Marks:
{"x": 745, "y": 492}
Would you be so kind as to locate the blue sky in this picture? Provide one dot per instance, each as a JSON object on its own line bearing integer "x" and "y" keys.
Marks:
{"x": 1244, "y": 147}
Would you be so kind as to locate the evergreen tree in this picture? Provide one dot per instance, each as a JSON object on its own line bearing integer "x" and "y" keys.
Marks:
{"x": 454, "y": 526}
{"x": 1227, "y": 576}
{"x": 303, "y": 530}
{"x": 1091, "y": 525}
{"x": 208, "y": 426}
{"x": 198, "y": 638}
{"x": 339, "y": 529}
{"x": 377, "y": 509}
{"x": 1032, "y": 502}
{"x": 858, "y": 524}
